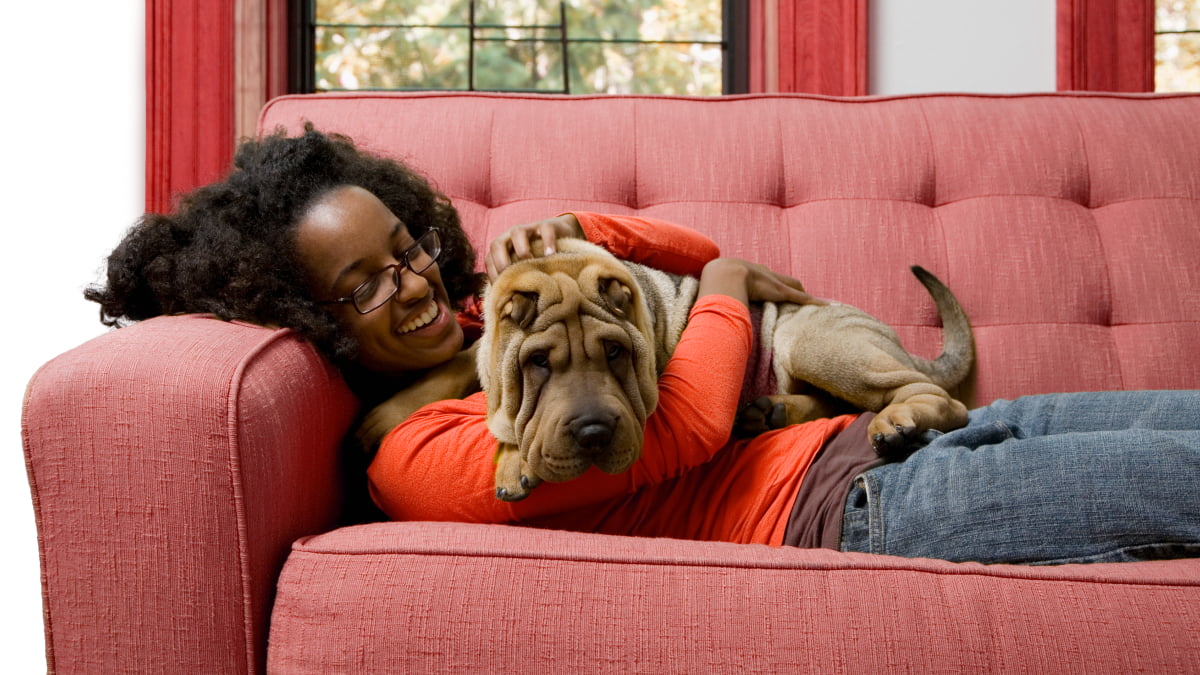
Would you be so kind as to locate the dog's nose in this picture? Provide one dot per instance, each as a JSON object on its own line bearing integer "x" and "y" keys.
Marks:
{"x": 592, "y": 434}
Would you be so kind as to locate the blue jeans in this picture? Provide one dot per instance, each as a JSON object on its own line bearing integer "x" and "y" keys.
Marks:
{"x": 1050, "y": 479}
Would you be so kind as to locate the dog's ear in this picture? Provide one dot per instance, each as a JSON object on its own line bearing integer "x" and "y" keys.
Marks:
{"x": 616, "y": 296}
{"x": 521, "y": 308}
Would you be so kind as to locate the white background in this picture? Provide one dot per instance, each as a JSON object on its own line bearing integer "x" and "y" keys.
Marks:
{"x": 961, "y": 45}
{"x": 73, "y": 116}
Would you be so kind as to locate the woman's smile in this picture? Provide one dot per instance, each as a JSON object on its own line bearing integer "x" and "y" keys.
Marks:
{"x": 425, "y": 320}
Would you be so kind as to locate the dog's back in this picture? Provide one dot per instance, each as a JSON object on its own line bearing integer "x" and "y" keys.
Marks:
{"x": 799, "y": 337}
{"x": 838, "y": 349}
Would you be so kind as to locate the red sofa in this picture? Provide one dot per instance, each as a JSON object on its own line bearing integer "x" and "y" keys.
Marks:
{"x": 185, "y": 471}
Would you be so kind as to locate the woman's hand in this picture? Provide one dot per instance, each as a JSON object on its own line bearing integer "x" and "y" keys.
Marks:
{"x": 515, "y": 242}
{"x": 751, "y": 282}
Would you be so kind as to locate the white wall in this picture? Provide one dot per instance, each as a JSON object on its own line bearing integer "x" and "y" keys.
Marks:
{"x": 73, "y": 120}
{"x": 995, "y": 46}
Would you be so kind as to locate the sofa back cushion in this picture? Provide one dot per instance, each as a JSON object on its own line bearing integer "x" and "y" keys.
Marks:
{"x": 1065, "y": 223}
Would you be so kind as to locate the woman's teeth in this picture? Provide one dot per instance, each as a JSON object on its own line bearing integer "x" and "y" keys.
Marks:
{"x": 420, "y": 321}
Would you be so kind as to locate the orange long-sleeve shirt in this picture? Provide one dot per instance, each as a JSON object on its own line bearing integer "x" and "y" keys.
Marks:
{"x": 691, "y": 481}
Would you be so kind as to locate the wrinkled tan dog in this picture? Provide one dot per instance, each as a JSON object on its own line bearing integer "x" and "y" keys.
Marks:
{"x": 574, "y": 342}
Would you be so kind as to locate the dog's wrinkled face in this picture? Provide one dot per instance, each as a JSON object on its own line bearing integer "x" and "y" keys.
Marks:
{"x": 567, "y": 364}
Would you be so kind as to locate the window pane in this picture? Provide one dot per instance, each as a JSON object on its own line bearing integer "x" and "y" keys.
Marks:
{"x": 651, "y": 46}
{"x": 404, "y": 12}
{"x": 519, "y": 66}
{"x": 509, "y": 13}
{"x": 690, "y": 20}
{"x": 1176, "y": 15}
{"x": 1177, "y": 62}
{"x": 646, "y": 69}
{"x": 1177, "y": 45}
{"x": 395, "y": 58}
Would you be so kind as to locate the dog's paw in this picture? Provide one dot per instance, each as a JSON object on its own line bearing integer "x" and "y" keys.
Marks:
{"x": 907, "y": 425}
{"x": 511, "y": 485}
{"x": 516, "y": 493}
{"x": 759, "y": 416}
{"x": 895, "y": 438}
{"x": 505, "y": 495}
{"x": 897, "y": 446}
{"x": 514, "y": 480}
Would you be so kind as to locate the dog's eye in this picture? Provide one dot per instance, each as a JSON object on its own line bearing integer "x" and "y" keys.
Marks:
{"x": 539, "y": 360}
{"x": 613, "y": 351}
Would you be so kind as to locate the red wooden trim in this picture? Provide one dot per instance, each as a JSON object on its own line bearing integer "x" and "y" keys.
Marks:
{"x": 823, "y": 47}
{"x": 1105, "y": 45}
{"x": 261, "y": 53}
{"x": 189, "y": 96}
{"x": 757, "y": 48}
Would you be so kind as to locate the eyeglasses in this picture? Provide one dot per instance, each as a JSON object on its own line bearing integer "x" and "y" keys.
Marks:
{"x": 376, "y": 291}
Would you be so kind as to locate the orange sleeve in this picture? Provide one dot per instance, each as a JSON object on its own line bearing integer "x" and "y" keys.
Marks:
{"x": 438, "y": 464}
{"x": 698, "y": 392}
{"x": 655, "y": 243}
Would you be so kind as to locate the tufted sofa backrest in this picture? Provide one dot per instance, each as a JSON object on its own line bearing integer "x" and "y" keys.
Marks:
{"x": 1067, "y": 224}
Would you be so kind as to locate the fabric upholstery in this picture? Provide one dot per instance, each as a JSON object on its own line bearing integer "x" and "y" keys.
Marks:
{"x": 437, "y": 597}
{"x": 173, "y": 462}
{"x": 1065, "y": 224}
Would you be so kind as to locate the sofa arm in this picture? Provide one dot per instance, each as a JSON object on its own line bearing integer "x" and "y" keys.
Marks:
{"x": 172, "y": 463}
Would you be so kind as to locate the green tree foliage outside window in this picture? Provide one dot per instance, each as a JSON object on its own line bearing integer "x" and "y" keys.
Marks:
{"x": 622, "y": 46}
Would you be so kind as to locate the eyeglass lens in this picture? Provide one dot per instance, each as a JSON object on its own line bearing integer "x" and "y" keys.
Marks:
{"x": 380, "y": 288}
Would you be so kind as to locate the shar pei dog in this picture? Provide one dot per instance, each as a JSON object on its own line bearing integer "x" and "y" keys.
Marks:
{"x": 574, "y": 343}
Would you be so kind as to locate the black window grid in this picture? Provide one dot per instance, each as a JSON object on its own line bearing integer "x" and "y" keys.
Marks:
{"x": 733, "y": 44}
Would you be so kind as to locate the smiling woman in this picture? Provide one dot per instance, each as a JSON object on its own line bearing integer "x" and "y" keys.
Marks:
{"x": 356, "y": 250}
{"x": 268, "y": 245}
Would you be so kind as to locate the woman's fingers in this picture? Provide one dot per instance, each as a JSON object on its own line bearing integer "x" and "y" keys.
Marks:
{"x": 516, "y": 243}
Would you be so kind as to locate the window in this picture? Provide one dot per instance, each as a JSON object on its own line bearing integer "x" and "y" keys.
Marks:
{"x": 693, "y": 47}
{"x": 1177, "y": 45}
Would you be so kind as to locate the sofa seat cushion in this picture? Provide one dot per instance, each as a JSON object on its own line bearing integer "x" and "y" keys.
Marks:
{"x": 441, "y": 597}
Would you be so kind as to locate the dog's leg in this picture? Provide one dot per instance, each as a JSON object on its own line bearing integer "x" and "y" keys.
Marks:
{"x": 907, "y": 402}
{"x": 858, "y": 359}
{"x": 767, "y": 413}
{"x": 454, "y": 379}
{"x": 514, "y": 480}
{"x": 912, "y": 410}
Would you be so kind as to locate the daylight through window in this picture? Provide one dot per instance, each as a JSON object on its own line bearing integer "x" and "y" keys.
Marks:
{"x": 573, "y": 46}
{"x": 1177, "y": 45}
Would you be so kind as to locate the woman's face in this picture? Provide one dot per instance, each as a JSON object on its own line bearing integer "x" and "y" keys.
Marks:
{"x": 345, "y": 238}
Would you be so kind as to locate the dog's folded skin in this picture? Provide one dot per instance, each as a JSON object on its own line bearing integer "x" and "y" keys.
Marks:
{"x": 573, "y": 345}
{"x": 568, "y": 368}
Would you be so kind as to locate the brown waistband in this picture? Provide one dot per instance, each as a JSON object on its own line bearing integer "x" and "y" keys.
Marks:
{"x": 816, "y": 519}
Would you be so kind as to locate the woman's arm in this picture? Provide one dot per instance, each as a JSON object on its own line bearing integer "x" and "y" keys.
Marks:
{"x": 701, "y": 386}
{"x": 649, "y": 241}
{"x": 438, "y": 464}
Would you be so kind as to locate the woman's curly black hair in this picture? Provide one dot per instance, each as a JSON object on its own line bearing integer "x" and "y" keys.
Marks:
{"x": 229, "y": 249}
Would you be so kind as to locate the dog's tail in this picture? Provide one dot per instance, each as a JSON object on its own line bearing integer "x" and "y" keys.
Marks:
{"x": 958, "y": 342}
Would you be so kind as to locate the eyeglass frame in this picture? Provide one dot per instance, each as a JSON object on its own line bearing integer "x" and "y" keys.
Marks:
{"x": 396, "y": 269}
